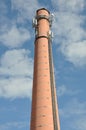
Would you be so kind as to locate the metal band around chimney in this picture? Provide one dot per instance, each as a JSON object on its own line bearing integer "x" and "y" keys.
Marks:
{"x": 39, "y": 17}
{"x": 38, "y": 37}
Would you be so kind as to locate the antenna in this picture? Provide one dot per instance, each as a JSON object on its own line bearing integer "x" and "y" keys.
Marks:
{"x": 51, "y": 19}
{"x": 34, "y": 22}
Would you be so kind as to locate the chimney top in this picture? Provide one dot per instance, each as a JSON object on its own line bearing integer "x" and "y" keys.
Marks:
{"x": 43, "y": 9}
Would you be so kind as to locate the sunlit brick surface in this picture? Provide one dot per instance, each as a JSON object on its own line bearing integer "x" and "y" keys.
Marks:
{"x": 42, "y": 112}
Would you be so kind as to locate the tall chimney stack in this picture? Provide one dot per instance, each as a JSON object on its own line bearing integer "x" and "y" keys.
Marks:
{"x": 44, "y": 115}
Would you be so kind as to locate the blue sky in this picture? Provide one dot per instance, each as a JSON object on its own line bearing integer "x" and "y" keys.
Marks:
{"x": 16, "y": 61}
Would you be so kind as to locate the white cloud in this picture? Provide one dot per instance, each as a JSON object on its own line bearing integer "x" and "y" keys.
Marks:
{"x": 80, "y": 123}
{"x": 13, "y": 62}
{"x": 64, "y": 90}
{"x": 74, "y": 113}
{"x": 26, "y": 8}
{"x": 14, "y": 37}
{"x": 15, "y": 87}
{"x": 11, "y": 35}
{"x": 67, "y": 27}
{"x": 70, "y": 35}
{"x": 75, "y": 53}
{"x": 11, "y": 125}
{"x": 75, "y": 107}
{"x": 74, "y": 5}
{"x": 3, "y": 8}
{"x": 3, "y": 14}
{"x": 69, "y": 5}
{"x": 16, "y": 70}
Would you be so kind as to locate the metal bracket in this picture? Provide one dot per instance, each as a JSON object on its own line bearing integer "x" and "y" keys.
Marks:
{"x": 48, "y": 18}
{"x": 39, "y": 17}
{"x": 51, "y": 18}
{"x": 50, "y": 34}
{"x": 34, "y": 22}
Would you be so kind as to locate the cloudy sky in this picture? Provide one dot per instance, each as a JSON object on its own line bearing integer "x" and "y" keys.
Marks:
{"x": 16, "y": 61}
